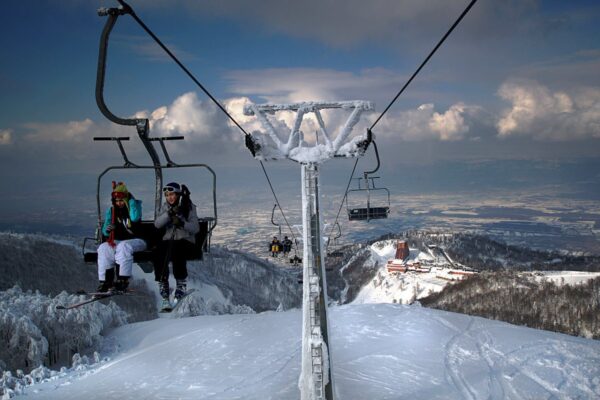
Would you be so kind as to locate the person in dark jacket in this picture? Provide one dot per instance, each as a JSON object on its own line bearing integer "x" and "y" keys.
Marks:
{"x": 115, "y": 255}
{"x": 287, "y": 246}
{"x": 179, "y": 218}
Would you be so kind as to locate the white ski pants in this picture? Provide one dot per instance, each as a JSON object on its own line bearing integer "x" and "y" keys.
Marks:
{"x": 121, "y": 254}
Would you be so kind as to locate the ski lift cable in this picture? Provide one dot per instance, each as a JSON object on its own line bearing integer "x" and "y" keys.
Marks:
{"x": 249, "y": 141}
{"x": 341, "y": 204}
{"x": 127, "y": 9}
{"x": 277, "y": 201}
{"x": 425, "y": 61}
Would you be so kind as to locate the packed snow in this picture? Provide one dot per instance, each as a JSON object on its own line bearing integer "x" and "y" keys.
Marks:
{"x": 379, "y": 351}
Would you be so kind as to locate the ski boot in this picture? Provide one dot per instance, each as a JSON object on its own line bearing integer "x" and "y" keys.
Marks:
{"x": 163, "y": 289}
{"x": 165, "y": 304}
{"x": 180, "y": 290}
{"x": 121, "y": 285}
{"x": 108, "y": 281}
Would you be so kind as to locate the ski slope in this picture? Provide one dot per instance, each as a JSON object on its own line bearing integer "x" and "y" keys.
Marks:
{"x": 379, "y": 351}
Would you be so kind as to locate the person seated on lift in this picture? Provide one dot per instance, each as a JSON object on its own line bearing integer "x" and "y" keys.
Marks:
{"x": 287, "y": 246}
{"x": 178, "y": 215}
{"x": 115, "y": 255}
{"x": 275, "y": 246}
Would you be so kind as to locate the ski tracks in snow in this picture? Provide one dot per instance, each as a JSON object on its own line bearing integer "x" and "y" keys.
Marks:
{"x": 455, "y": 354}
{"x": 514, "y": 374}
{"x": 496, "y": 364}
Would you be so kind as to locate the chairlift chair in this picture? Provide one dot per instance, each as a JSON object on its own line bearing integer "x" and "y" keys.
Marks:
{"x": 381, "y": 209}
{"x": 148, "y": 232}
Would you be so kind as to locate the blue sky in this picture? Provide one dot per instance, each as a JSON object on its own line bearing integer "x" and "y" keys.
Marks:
{"x": 518, "y": 80}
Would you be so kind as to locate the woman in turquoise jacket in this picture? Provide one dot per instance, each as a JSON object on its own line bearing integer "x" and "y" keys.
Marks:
{"x": 115, "y": 255}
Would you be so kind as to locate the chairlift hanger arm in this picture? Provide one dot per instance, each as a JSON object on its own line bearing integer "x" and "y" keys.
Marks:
{"x": 367, "y": 173}
{"x": 273, "y": 219}
{"x": 273, "y": 215}
{"x": 142, "y": 124}
{"x": 112, "y": 14}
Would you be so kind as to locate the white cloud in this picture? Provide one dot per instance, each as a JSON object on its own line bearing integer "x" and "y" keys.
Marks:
{"x": 187, "y": 115}
{"x": 538, "y": 112}
{"x": 424, "y": 123}
{"x": 451, "y": 124}
{"x": 5, "y": 136}
{"x": 73, "y": 131}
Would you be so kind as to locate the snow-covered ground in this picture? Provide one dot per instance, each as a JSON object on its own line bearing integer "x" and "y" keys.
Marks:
{"x": 565, "y": 277}
{"x": 379, "y": 351}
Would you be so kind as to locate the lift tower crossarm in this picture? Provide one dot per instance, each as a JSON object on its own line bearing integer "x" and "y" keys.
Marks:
{"x": 295, "y": 148}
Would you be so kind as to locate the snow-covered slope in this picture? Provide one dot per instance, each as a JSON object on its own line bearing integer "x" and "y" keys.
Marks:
{"x": 404, "y": 288}
{"x": 379, "y": 351}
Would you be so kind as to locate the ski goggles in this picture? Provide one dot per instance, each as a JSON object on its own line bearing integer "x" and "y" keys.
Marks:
{"x": 171, "y": 189}
{"x": 119, "y": 195}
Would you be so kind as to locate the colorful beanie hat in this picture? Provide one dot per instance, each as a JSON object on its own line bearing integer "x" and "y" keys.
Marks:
{"x": 119, "y": 191}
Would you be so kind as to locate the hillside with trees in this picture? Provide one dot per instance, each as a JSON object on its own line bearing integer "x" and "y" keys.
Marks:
{"x": 519, "y": 299}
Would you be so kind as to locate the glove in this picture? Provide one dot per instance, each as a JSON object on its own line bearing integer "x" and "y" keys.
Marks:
{"x": 173, "y": 210}
{"x": 175, "y": 220}
{"x": 109, "y": 228}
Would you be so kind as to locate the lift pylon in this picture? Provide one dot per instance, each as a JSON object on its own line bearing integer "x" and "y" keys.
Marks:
{"x": 316, "y": 380}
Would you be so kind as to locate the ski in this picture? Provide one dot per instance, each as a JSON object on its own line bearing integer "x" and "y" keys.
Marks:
{"x": 173, "y": 307}
{"x": 96, "y": 296}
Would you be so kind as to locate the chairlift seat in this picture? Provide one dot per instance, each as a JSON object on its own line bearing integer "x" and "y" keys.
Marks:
{"x": 152, "y": 237}
{"x": 363, "y": 214}
{"x": 336, "y": 254}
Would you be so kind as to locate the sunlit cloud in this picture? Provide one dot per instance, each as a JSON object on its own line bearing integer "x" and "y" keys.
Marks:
{"x": 425, "y": 123}
{"x": 73, "y": 131}
{"x": 538, "y": 112}
{"x": 5, "y": 136}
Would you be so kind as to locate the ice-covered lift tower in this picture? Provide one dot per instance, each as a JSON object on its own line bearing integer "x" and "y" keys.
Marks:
{"x": 316, "y": 377}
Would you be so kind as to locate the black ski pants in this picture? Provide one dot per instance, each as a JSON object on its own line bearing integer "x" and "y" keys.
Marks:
{"x": 176, "y": 251}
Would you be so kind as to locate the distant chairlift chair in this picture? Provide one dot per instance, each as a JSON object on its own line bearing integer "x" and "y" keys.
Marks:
{"x": 382, "y": 208}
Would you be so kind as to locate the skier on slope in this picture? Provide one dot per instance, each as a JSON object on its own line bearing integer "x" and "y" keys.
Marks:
{"x": 178, "y": 216}
{"x": 115, "y": 255}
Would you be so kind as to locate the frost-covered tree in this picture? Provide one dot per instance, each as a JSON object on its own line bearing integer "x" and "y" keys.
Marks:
{"x": 35, "y": 333}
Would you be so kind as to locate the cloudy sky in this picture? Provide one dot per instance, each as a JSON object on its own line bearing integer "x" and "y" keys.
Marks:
{"x": 517, "y": 81}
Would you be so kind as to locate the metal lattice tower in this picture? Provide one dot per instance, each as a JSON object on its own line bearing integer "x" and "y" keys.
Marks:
{"x": 316, "y": 377}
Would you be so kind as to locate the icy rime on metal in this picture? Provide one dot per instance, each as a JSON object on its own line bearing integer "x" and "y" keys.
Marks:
{"x": 294, "y": 147}
{"x": 316, "y": 377}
